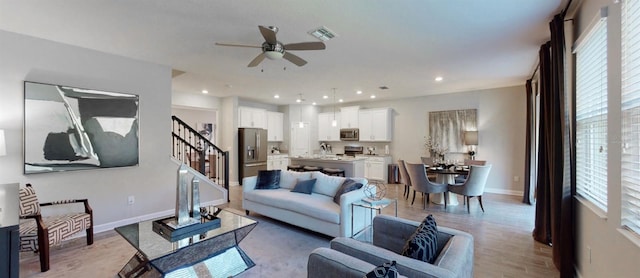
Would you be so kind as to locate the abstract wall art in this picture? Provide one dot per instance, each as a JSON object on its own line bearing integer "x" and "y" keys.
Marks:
{"x": 68, "y": 128}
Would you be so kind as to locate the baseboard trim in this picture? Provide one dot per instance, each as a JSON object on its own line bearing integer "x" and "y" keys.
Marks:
{"x": 504, "y": 191}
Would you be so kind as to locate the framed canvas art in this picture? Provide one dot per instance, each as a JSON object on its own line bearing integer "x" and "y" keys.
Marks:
{"x": 68, "y": 128}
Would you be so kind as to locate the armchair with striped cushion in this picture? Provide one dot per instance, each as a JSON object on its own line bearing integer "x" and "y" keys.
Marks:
{"x": 37, "y": 233}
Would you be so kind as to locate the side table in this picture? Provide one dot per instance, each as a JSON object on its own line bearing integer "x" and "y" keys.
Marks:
{"x": 377, "y": 207}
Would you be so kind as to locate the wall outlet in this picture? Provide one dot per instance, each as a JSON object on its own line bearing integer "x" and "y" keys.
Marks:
{"x": 589, "y": 253}
{"x": 516, "y": 178}
{"x": 131, "y": 200}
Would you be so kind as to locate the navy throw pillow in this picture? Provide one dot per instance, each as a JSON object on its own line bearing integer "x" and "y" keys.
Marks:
{"x": 347, "y": 185}
{"x": 305, "y": 186}
{"x": 386, "y": 270}
{"x": 269, "y": 179}
{"x": 423, "y": 244}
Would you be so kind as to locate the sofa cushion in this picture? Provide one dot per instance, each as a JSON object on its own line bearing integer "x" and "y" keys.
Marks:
{"x": 305, "y": 186}
{"x": 314, "y": 205}
{"x": 325, "y": 184}
{"x": 288, "y": 179}
{"x": 269, "y": 179}
{"x": 346, "y": 186}
{"x": 386, "y": 270}
{"x": 422, "y": 245}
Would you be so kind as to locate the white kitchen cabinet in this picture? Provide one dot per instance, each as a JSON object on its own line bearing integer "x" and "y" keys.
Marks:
{"x": 326, "y": 131}
{"x": 375, "y": 125}
{"x": 375, "y": 167}
{"x": 275, "y": 122}
{"x": 252, "y": 117}
{"x": 277, "y": 162}
{"x": 349, "y": 117}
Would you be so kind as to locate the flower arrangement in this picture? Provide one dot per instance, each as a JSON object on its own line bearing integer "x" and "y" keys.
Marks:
{"x": 434, "y": 148}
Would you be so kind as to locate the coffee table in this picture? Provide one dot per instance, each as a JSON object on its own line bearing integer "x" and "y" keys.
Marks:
{"x": 214, "y": 253}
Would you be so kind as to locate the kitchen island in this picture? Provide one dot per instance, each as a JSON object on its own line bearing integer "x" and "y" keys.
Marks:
{"x": 353, "y": 167}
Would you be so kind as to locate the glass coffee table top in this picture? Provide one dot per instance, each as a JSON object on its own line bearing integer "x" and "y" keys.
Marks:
{"x": 205, "y": 249}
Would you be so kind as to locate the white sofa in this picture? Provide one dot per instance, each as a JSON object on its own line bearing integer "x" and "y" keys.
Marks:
{"x": 317, "y": 211}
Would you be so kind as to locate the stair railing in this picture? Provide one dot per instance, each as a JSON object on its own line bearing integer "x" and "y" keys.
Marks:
{"x": 198, "y": 152}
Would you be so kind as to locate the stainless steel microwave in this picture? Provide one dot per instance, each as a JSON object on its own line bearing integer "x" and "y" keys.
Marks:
{"x": 349, "y": 134}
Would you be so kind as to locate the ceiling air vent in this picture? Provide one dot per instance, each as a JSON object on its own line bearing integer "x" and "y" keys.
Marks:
{"x": 383, "y": 88}
{"x": 322, "y": 33}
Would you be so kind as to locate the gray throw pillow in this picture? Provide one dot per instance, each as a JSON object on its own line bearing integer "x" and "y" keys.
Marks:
{"x": 423, "y": 244}
{"x": 305, "y": 186}
{"x": 347, "y": 185}
{"x": 269, "y": 179}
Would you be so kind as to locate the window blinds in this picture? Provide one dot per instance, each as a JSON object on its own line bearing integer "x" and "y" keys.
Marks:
{"x": 631, "y": 115}
{"x": 591, "y": 114}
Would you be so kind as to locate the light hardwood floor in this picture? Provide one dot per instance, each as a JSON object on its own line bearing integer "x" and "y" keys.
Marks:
{"x": 504, "y": 246}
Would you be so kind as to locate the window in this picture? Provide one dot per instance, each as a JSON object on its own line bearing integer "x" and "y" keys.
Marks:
{"x": 591, "y": 114}
{"x": 631, "y": 115}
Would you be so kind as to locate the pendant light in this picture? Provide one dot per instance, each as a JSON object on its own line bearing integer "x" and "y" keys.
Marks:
{"x": 300, "y": 124}
{"x": 334, "y": 123}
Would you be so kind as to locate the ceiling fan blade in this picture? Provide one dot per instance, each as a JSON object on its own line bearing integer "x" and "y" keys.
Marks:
{"x": 256, "y": 60}
{"x": 305, "y": 46}
{"x": 294, "y": 59}
{"x": 238, "y": 45}
{"x": 268, "y": 34}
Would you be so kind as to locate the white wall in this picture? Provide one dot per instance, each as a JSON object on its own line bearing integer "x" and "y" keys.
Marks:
{"x": 501, "y": 125}
{"x": 152, "y": 182}
{"x": 603, "y": 249}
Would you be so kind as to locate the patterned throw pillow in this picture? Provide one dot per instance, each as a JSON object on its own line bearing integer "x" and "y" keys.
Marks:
{"x": 269, "y": 179}
{"x": 386, "y": 270}
{"x": 347, "y": 186}
{"x": 423, "y": 244}
{"x": 28, "y": 202}
{"x": 305, "y": 186}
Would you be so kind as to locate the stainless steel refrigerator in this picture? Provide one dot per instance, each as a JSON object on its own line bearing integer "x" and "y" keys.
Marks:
{"x": 252, "y": 154}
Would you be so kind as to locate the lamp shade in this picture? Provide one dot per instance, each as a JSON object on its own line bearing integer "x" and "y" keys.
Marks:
{"x": 471, "y": 138}
{"x": 3, "y": 145}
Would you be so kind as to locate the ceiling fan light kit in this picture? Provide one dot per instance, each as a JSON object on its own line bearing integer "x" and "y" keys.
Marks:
{"x": 275, "y": 50}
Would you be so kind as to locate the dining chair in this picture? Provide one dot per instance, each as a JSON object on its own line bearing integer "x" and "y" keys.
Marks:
{"x": 473, "y": 186}
{"x": 427, "y": 160}
{"x": 420, "y": 183}
{"x": 469, "y": 162}
{"x": 404, "y": 178}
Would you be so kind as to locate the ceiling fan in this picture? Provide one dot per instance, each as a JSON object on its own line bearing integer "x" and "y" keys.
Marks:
{"x": 273, "y": 49}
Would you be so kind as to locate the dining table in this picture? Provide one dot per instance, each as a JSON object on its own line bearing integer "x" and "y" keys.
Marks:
{"x": 446, "y": 174}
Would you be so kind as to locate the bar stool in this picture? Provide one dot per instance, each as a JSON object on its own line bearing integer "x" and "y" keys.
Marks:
{"x": 333, "y": 172}
{"x": 311, "y": 168}
{"x": 297, "y": 168}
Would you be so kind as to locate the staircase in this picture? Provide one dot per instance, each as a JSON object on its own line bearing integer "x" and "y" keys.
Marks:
{"x": 196, "y": 151}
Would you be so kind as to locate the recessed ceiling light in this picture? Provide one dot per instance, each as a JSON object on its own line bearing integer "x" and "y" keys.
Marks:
{"x": 276, "y": 96}
{"x": 205, "y": 91}
{"x": 340, "y": 100}
{"x": 438, "y": 78}
{"x": 314, "y": 103}
{"x": 325, "y": 96}
{"x": 298, "y": 100}
{"x": 359, "y": 92}
{"x": 373, "y": 96}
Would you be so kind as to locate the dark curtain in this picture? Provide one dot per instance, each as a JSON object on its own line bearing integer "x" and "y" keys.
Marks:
{"x": 554, "y": 208}
{"x": 528, "y": 193}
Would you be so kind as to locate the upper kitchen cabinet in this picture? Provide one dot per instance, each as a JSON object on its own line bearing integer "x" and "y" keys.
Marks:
{"x": 349, "y": 117}
{"x": 326, "y": 131}
{"x": 275, "y": 122}
{"x": 375, "y": 125}
{"x": 252, "y": 117}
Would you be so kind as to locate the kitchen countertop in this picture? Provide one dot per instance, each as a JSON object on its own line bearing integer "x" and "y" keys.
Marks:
{"x": 329, "y": 159}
